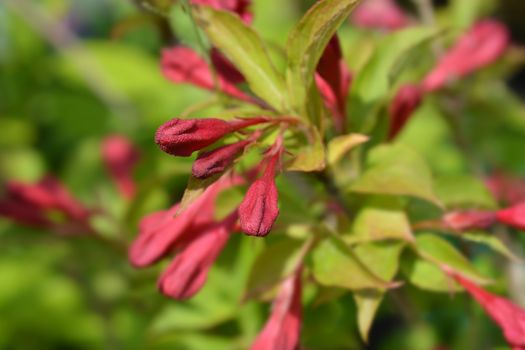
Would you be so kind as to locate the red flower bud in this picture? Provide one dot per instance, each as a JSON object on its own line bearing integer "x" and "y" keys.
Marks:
{"x": 407, "y": 100}
{"x": 188, "y": 272}
{"x": 333, "y": 80}
{"x": 379, "y": 14}
{"x": 259, "y": 208}
{"x": 507, "y": 188}
{"x": 182, "y": 137}
{"x": 217, "y": 160}
{"x": 513, "y": 216}
{"x": 183, "y": 65}
{"x": 509, "y": 317}
{"x": 483, "y": 44}
{"x": 469, "y": 220}
{"x": 161, "y": 231}
{"x": 283, "y": 328}
{"x": 239, "y": 7}
{"x": 225, "y": 68}
{"x": 120, "y": 157}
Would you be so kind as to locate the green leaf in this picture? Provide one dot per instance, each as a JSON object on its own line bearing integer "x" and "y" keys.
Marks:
{"x": 306, "y": 44}
{"x": 383, "y": 260}
{"x": 376, "y": 78}
{"x": 428, "y": 276}
{"x": 339, "y": 146}
{"x": 437, "y": 252}
{"x": 464, "y": 192}
{"x": 396, "y": 170}
{"x": 311, "y": 157}
{"x": 273, "y": 265}
{"x": 246, "y": 50}
{"x": 381, "y": 218}
{"x": 492, "y": 242}
{"x": 336, "y": 265}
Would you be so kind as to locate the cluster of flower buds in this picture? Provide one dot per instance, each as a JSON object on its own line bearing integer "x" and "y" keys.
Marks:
{"x": 507, "y": 315}
{"x": 481, "y": 46}
{"x": 45, "y": 204}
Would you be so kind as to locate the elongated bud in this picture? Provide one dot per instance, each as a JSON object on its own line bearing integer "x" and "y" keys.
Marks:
{"x": 513, "y": 216}
{"x": 469, "y": 220}
{"x": 217, "y": 160}
{"x": 120, "y": 158}
{"x": 379, "y": 14}
{"x": 508, "y": 316}
{"x": 483, "y": 44}
{"x": 182, "y": 137}
{"x": 407, "y": 100}
{"x": 259, "y": 208}
{"x": 225, "y": 68}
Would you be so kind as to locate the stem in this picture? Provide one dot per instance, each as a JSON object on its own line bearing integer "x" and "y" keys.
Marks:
{"x": 425, "y": 11}
{"x": 334, "y": 191}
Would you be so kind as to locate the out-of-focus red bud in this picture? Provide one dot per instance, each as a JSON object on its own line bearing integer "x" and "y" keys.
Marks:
{"x": 217, "y": 160}
{"x": 259, "y": 208}
{"x": 509, "y": 317}
{"x": 469, "y": 220}
{"x": 31, "y": 204}
{"x": 283, "y": 328}
{"x": 182, "y": 137}
{"x": 513, "y": 216}
{"x": 333, "y": 80}
{"x": 188, "y": 271}
{"x": 120, "y": 157}
{"x": 408, "y": 98}
{"x": 161, "y": 231}
{"x": 506, "y": 188}
{"x": 379, "y": 14}
{"x": 183, "y": 65}
{"x": 240, "y": 7}
{"x": 225, "y": 68}
{"x": 482, "y": 45}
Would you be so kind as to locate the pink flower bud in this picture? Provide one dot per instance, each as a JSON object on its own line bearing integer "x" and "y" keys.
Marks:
{"x": 240, "y": 7}
{"x": 482, "y": 45}
{"x": 120, "y": 157}
{"x": 217, "y": 160}
{"x": 506, "y": 188}
{"x": 407, "y": 100}
{"x": 160, "y": 231}
{"x": 31, "y": 204}
{"x": 283, "y": 328}
{"x": 259, "y": 208}
{"x": 182, "y": 137}
{"x": 188, "y": 272}
{"x": 225, "y": 68}
{"x": 509, "y": 317}
{"x": 513, "y": 216}
{"x": 469, "y": 220}
{"x": 379, "y": 14}
{"x": 333, "y": 80}
{"x": 183, "y": 65}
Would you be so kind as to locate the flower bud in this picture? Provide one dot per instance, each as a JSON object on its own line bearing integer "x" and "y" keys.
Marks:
{"x": 225, "y": 68}
{"x": 483, "y": 44}
{"x": 407, "y": 100}
{"x": 283, "y": 328}
{"x": 217, "y": 160}
{"x": 182, "y": 137}
{"x": 120, "y": 157}
{"x": 513, "y": 216}
{"x": 379, "y": 14}
{"x": 469, "y": 220}
{"x": 259, "y": 208}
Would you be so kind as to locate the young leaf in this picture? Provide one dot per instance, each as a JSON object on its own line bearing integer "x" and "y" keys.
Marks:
{"x": 307, "y": 42}
{"x": 339, "y": 146}
{"x": 440, "y": 252}
{"x": 396, "y": 170}
{"x": 383, "y": 260}
{"x": 464, "y": 192}
{"x": 311, "y": 157}
{"x": 492, "y": 242}
{"x": 336, "y": 265}
{"x": 382, "y": 218}
{"x": 246, "y": 50}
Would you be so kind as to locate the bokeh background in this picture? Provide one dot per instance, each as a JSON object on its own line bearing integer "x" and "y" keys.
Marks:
{"x": 75, "y": 71}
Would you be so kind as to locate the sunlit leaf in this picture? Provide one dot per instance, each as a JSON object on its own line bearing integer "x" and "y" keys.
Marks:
{"x": 339, "y": 146}
{"x": 464, "y": 192}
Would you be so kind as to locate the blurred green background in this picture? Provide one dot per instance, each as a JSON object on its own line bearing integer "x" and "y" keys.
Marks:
{"x": 74, "y": 71}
